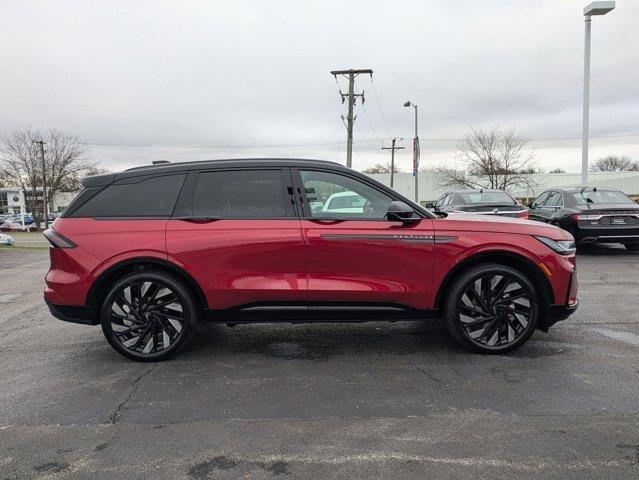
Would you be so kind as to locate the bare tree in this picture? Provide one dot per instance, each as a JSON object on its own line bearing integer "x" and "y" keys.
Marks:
{"x": 615, "y": 163}
{"x": 381, "y": 168}
{"x": 490, "y": 158}
{"x": 72, "y": 182}
{"x": 21, "y": 163}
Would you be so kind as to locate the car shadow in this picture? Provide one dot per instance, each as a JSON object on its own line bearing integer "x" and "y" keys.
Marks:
{"x": 321, "y": 341}
{"x": 603, "y": 249}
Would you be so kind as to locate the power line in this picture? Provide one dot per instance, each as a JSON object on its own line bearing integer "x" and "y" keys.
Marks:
{"x": 371, "y": 124}
{"x": 364, "y": 137}
{"x": 379, "y": 104}
{"x": 320, "y": 144}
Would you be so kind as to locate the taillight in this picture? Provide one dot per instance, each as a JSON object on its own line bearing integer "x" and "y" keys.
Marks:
{"x": 523, "y": 214}
{"x": 57, "y": 240}
{"x": 577, "y": 216}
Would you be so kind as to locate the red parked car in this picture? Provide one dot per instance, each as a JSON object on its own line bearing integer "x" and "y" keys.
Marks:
{"x": 151, "y": 251}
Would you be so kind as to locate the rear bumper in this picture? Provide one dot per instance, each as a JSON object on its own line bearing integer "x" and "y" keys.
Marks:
{"x": 621, "y": 234}
{"x": 73, "y": 313}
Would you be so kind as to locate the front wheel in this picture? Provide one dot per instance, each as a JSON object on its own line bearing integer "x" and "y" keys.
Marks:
{"x": 148, "y": 316}
{"x": 492, "y": 308}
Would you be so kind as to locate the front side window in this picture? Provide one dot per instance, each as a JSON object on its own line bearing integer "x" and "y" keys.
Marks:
{"x": 151, "y": 197}
{"x": 239, "y": 194}
{"x": 331, "y": 195}
{"x": 539, "y": 201}
{"x": 554, "y": 200}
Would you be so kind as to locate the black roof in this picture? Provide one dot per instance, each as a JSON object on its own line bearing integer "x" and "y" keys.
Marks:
{"x": 167, "y": 167}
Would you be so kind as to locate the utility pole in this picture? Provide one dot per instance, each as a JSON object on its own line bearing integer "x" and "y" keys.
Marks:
{"x": 392, "y": 149}
{"x": 44, "y": 186}
{"x": 350, "y": 74}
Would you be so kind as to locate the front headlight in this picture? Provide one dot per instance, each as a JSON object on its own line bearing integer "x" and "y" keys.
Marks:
{"x": 562, "y": 247}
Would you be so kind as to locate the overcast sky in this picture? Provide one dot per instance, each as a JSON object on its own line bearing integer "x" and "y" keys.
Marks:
{"x": 166, "y": 75}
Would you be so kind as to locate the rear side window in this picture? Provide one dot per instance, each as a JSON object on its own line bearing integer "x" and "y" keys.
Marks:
{"x": 153, "y": 197}
{"x": 239, "y": 194}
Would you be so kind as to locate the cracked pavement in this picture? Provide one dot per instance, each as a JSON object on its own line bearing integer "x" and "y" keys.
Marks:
{"x": 356, "y": 401}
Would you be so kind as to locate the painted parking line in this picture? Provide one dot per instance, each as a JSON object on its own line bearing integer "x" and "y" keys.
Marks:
{"x": 624, "y": 337}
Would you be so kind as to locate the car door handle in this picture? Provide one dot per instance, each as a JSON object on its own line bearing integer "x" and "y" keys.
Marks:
{"x": 327, "y": 221}
{"x": 198, "y": 219}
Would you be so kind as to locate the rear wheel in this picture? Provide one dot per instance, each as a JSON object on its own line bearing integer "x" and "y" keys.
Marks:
{"x": 632, "y": 247}
{"x": 148, "y": 316}
{"x": 492, "y": 308}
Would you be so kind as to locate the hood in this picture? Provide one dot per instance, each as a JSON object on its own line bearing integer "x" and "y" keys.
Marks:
{"x": 497, "y": 224}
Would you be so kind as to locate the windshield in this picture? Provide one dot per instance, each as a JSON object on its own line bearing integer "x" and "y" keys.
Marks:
{"x": 600, "y": 196}
{"x": 487, "y": 197}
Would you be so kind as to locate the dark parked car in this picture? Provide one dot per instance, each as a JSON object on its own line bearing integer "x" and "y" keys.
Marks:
{"x": 150, "y": 252}
{"x": 591, "y": 214}
{"x": 484, "y": 202}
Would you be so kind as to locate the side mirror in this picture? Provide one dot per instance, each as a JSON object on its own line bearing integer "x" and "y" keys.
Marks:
{"x": 400, "y": 212}
{"x": 429, "y": 205}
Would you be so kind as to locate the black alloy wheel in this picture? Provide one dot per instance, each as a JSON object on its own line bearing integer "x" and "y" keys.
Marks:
{"x": 492, "y": 309}
{"x": 148, "y": 316}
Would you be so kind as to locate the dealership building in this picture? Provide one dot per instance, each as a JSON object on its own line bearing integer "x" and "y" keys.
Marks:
{"x": 14, "y": 201}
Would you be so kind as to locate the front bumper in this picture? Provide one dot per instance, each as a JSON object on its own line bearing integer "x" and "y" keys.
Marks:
{"x": 73, "y": 313}
{"x": 562, "y": 312}
{"x": 557, "y": 313}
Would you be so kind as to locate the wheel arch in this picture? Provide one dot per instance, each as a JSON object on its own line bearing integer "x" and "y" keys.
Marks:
{"x": 139, "y": 264}
{"x": 510, "y": 259}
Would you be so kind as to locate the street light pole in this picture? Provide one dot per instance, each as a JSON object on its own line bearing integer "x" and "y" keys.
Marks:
{"x": 595, "y": 8}
{"x": 408, "y": 103}
{"x": 586, "y": 106}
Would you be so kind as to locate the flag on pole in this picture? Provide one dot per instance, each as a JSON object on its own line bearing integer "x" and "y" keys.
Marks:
{"x": 415, "y": 155}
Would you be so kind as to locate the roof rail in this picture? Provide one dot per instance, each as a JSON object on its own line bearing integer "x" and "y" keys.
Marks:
{"x": 154, "y": 163}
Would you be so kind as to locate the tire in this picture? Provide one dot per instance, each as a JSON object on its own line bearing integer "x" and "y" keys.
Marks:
{"x": 632, "y": 247}
{"x": 141, "y": 302}
{"x": 488, "y": 321}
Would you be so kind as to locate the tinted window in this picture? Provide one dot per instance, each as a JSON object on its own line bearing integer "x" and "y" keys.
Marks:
{"x": 153, "y": 197}
{"x": 487, "y": 197}
{"x": 239, "y": 193}
{"x": 554, "y": 200}
{"x": 540, "y": 200}
{"x": 339, "y": 196}
{"x": 600, "y": 196}
{"x": 448, "y": 200}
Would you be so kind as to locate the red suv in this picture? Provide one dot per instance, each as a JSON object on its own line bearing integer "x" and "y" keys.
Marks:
{"x": 151, "y": 251}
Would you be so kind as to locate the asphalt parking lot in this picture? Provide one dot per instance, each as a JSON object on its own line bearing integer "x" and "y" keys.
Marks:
{"x": 377, "y": 400}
